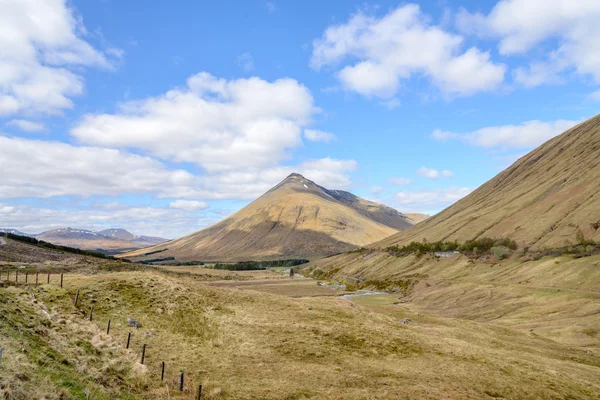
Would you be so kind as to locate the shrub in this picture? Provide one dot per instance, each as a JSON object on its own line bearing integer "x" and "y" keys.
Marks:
{"x": 500, "y": 252}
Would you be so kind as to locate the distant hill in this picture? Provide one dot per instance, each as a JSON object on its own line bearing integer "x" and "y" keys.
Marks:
{"x": 295, "y": 219}
{"x": 415, "y": 218}
{"x": 14, "y": 232}
{"x": 110, "y": 241}
{"x": 543, "y": 199}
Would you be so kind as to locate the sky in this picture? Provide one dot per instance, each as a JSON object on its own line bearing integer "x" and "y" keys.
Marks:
{"x": 165, "y": 117}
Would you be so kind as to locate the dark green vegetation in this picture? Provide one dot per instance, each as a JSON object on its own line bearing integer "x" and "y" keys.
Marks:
{"x": 259, "y": 265}
{"x": 50, "y": 246}
{"x": 475, "y": 247}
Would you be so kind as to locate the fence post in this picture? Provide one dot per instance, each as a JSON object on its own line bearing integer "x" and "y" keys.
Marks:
{"x": 17, "y": 276}
{"x": 26, "y": 276}
{"x": 181, "y": 381}
{"x": 61, "y": 279}
{"x": 76, "y": 298}
{"x": 36, "y": 277}
{"x": 199, "y": 392}
{"x": 162, "y": 372}
{"x": 128, "y": 339}
{"x": 48, "y": 277}
{"x": 108, "y": 327}
{"x": 91, "y": 312}
{"x": 8, "y": 275}
{"x": 143, "y": 354}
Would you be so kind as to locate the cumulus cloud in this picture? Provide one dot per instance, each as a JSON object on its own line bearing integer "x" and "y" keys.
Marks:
{"x": 571, "y": 30}
{"x": 215, "y": 123}
{"x": 427, "y": 200}
{"x": 45, "y": 169}
{"x": 400, "y": 181}
{"x": 27, "y": 126}
{"x": 433, "y": 173}
{"x": 389, "y": 50}
{"x": 527, "y": 135}
{"x": 188, "y": 205}
{"x": 41, "y": 42}
{"x": 35, "y": 168}
{"x": 319, "y": 136}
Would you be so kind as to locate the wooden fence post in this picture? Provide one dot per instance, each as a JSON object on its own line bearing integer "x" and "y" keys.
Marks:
{"x": 181, "y": 381}
{"x": 76, "y": 298}
{"x": 91, "y": 312}
{"x": 26, "y": 276}
{"x": 48, "y": 277}
{"x": 108, "y": 327}
{"x": 17, "y": 276}
{"x": 199, "y": 392}
{"x": 143, "y": 354}
{"x": 128, "y": 339}
{"x": 61, "y": 279}
{"x": 162, "y": 372}
{"x": 36, "y": 277}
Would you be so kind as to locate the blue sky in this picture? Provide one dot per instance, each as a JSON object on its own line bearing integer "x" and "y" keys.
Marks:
{"x": 162, "y": 118}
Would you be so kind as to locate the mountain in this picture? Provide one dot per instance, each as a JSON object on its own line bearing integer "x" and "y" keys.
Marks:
{"x": 14, "y": 232}
{"x": 295, "y": 219}
{"x": 543, "y": 199}
{"x": 109, "y": 241}
{"x": 415, "y": 218}
{"x": 139, "y": 240}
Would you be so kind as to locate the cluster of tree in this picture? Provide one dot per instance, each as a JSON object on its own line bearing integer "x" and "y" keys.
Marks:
{"x": 50, "y": 246}
{"x": 156, "y": 260}
{"x": 477, "y": 246}
{"x": 259, "y": 265}
{"x": 155, "y": 252}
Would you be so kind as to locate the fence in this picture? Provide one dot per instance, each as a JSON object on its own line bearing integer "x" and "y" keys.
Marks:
{"x": 25, "y": 278}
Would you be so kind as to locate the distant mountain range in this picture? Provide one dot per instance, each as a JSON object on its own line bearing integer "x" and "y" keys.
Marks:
{"x": 295, "y": 219}
{"x": 109, "y": 241}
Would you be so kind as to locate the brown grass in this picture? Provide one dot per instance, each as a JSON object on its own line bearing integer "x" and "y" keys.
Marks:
{"x": 246, "y": 344}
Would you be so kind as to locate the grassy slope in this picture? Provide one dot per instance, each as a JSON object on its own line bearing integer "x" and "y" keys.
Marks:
{"x": 244, "y": 344}
{"x": 557, "y": 297}
{"x": 541, "y": 200}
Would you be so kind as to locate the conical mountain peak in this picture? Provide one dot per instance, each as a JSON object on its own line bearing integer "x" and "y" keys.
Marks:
{"x": 295, "y": 219}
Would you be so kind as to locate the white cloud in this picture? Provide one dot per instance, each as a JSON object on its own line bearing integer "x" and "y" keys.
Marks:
{"x": 217, "y": 124}
{"x": 271, "y": 7}
{"x": 319, "y": 136}
{"x": 142, "y": 220}
{"x": 426, "y": 200}
{"x": 537, "y": 74}
{"x": 400, "y": 181}
{"x": 188, "y": 205}
{"x": 27, "y": 126}
{"x": 246, "y": 62}
{"x": 527, "y": 135}
{"x": 433, "y": 173}
{"x": 391, "y": 49}
{"x": 35, "y": 168}
{"x": 570, "y": 28}
{"x": 39, "y": 41}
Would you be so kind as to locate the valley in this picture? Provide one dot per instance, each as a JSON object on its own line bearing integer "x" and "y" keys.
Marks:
{"x": 240, "y": 342}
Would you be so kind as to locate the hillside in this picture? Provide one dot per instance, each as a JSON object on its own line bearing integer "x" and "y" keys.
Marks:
{"x": 108, "y": 241}
{"x": 543, "y": 199}
{"x": 295, "y": 219}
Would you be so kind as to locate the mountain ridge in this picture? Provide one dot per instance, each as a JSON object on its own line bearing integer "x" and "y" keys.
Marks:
{"x": 297, "y": 218}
